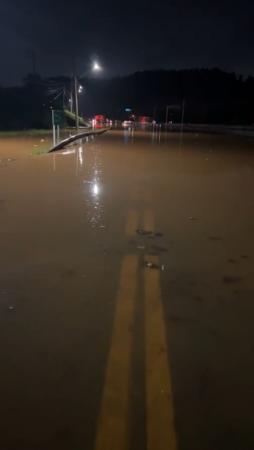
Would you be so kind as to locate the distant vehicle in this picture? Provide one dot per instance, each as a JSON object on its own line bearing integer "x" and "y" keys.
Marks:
{"x": 99, "y": 121}
{"x": 144, "y": 120}
{"x": 127, "y": 123}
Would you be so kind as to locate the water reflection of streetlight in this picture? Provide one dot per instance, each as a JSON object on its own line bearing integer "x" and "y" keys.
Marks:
{"x": 95, "y": 189}
{"x": 80, "y": 155}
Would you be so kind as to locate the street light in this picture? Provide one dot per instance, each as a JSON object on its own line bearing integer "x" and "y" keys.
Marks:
{"x": 96, "y": 67}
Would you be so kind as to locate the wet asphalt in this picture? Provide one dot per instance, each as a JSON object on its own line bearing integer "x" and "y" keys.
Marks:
{"x": 90, "y": 237}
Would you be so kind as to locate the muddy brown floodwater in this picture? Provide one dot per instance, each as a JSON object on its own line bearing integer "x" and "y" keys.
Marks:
{"x": 127, "y": 294}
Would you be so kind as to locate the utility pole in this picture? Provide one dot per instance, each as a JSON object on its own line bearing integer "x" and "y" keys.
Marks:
{"x": 182, "y": 116}
{"x": 53, "y": 127}
{"x": 76, "y": 102}
{"x": 71, "y": 100}
{"x": 166, "y": 119}
{"x": 64, "y": 95}
{"x": 182, "y": 121}
{"x": 78, "y": 89}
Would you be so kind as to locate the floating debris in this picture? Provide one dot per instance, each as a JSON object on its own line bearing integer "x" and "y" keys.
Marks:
{"x": 148, "y": 233}
{"x": 192, "y": 218}
{"x": 158, "y": 234}
{"x": 214, "y": 238}
{"x": 141, "y": 247}
{"x": 11, "y": 308}
{"x": 143, "y": 232}
{"x": 7, "y": 160}
{"x": 152, "y": 265}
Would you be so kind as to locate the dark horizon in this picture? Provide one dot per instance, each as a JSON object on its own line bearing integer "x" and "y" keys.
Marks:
{"x": 56, "y": 75}
{"x": 210, "y": 96}
{"x": 125, "y": 38}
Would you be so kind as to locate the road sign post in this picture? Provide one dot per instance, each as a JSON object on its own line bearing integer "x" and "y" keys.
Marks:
{"x": 57, "y": 122}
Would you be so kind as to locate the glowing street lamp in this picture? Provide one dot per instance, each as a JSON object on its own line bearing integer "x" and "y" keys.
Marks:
{"x": 96, "y": 67}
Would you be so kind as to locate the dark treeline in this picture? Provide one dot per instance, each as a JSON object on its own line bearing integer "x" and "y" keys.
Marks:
{"x": 209, "y": 95}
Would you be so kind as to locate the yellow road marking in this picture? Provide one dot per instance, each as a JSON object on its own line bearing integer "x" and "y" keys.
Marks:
{"x": 132, "y": 223}
{"x": 149, "y": 220}
{"x": 159, "y": 398}
{"x": 113, "y": 427}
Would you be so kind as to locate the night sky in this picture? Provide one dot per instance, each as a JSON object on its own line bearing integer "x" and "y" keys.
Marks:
{"x": 125, "y": 36}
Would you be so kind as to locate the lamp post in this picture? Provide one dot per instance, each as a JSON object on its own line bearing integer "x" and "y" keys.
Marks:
{"x": 76, "y": 102}
{"x": 96, "y": 67}
{"x": 166, "y": 118}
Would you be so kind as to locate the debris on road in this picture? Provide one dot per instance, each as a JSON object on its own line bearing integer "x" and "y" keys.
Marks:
{"x": 143, "y": 232}
{"x": 158, "y": 234}
{"x": 152, "y": 265}
{"x": 149, "y": 233}
{"x": 4, "y": 161}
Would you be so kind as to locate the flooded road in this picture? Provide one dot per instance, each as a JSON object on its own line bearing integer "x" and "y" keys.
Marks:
{"x": 126, "y": 294}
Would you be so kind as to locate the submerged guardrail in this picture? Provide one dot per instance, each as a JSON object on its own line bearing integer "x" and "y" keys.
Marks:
{"x": 76, "y": 137}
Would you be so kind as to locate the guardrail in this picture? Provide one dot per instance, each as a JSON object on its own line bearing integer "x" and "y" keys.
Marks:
{"x": 76, "y": 137}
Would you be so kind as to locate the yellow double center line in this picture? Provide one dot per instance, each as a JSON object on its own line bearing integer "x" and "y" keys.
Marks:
{"x": 113, "y": 429}
{"x": 159, "y": 399}
{"x": 114, "y": 421}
